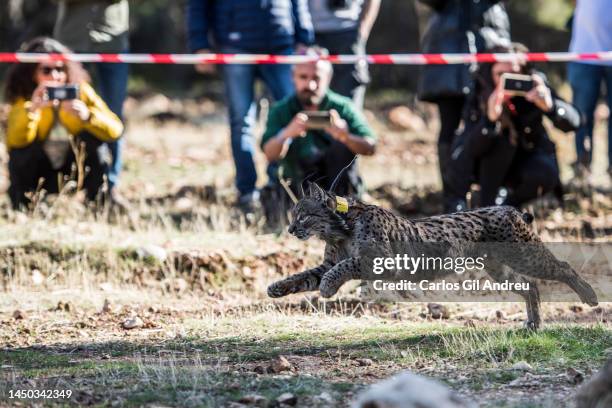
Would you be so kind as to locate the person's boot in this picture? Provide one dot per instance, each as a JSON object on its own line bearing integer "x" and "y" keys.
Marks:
{"x": 249, "y": 203}
{"x": 582, "y": 166}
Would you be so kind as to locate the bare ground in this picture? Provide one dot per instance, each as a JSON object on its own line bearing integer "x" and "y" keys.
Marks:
{"x": 191, "y": 275}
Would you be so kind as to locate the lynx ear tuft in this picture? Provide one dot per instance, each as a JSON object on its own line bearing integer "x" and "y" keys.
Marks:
{"x": 316, "y": 192}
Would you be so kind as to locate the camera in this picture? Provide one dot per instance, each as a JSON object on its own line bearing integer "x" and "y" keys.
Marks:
{"x": 317, "y": 120}
{"x": 63, "y": 93}
{"x": 516, "y": 84}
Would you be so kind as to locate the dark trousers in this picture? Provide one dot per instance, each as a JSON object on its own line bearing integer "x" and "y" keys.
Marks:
{"x": 450, "y": 110}
{"x": 28, "y": 165}
{"x": 240, "y": 92}
{"x": 111, "y": 82}
{"x": 586, "y": 82}
{"x": 499, "y": 163}
{"x": 329, "y": 165}
{"x": 348, "y": 80}
{"x": 531, "y": 176}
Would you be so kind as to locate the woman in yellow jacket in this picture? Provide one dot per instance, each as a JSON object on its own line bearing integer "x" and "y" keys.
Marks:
{"x": 50, "y": 140}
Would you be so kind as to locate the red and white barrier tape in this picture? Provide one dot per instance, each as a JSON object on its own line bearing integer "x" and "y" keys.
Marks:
{"x": 388, "y": 59}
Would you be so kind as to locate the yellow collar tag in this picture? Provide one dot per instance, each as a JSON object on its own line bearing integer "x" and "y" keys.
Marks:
{"x": 342, "y": 205}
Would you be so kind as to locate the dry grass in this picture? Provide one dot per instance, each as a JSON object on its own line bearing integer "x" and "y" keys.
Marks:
{"x": 208, "y": 325}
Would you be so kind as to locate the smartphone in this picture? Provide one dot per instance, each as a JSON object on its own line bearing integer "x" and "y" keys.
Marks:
{"x": 62, "y": 93}
{"x": 516, "y": 84}
{"x": 338, "y": 4}
{"x": 317, "y": 120}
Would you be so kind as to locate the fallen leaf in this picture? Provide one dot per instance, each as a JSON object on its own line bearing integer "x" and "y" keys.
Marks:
{"x": 107, "y": 307}
{"x": 280, "y": 364}
{"x": 574, "y": 376}
{"x": 364, "y": 362}
{"x": 259, "y": 369}
{"x": 576, "y": 308}
{"x": 19, "y": 315}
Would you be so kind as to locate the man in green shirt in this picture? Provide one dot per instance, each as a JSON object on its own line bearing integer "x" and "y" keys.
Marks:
{"x": 322, "y": 150}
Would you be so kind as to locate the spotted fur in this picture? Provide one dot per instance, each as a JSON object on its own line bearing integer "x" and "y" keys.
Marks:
{"x": 349, "y": 235}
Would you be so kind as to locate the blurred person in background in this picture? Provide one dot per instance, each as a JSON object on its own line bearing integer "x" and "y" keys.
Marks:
{"x": 252, "y": 27}
{"x": 319, "y": 147}
{"x": 591, "y": 32}
{"x": 504, "y": 146}
{"x": 48, "y": 133}
{"x": 457, "y": 26}
{"x": 100, "y": 26}
{"x": 343, "y": 27}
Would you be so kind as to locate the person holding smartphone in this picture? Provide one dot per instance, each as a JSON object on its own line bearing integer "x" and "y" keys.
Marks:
{"x": 56, "y": 119}
{"x": 504, "y": 146}
{"x": 457, "y": 26}
{"x": 317, "y": 132}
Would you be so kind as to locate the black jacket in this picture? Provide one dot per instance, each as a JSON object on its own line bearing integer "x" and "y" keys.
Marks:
{"x": 523, "y": 136}
{"x": 527, "y": 124}
{"x": 459, "y": 26}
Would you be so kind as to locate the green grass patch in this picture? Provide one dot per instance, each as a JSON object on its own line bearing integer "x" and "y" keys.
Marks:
{"x": 214, "y": 368}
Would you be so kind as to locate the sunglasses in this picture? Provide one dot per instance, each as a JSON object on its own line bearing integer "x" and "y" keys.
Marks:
{"x": 47, "y": 70}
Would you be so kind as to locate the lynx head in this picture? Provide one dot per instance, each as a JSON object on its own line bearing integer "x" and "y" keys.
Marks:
{"x": 315, "y": 214}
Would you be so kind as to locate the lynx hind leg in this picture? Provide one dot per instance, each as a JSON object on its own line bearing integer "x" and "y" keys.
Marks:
{"x": 535, "y": 260}
{"x": 571, "y": 278}
{"x": 337, "y": 276}
{"x": 302, "y": 282}
{"x": 532, "y": 297}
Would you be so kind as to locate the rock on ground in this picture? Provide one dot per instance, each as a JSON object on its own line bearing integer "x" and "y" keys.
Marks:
{"x": 132, "y": 323}
{"x": 408, "y": 390}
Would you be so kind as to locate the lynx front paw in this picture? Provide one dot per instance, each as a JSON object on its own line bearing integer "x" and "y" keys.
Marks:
{"x": 281, "y": 288}
{"x": 328, "y": 289}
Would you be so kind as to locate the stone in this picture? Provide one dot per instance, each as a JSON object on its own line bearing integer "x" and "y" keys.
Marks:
{"x": 521, "y": 366}
{"x": 152, "y": 252}
{"x": 280, "y": 364}
{"x": 132, "y": 323}
{"x": 287, "y": 399}
{"x": 438, "y": 311}
{"x": 37, "y": 277}
{"x": 409, "y": 390}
